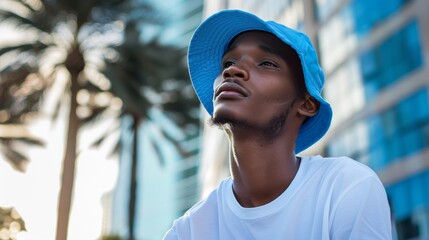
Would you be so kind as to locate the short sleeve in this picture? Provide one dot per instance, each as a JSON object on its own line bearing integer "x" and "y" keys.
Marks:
{"x": 362, "y": 213}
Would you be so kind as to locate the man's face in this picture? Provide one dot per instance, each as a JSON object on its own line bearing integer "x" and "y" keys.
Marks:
{"x": 256, "y": 86}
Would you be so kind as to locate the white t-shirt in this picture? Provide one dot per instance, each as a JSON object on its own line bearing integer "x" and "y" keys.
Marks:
{"x": 329, "y": 198}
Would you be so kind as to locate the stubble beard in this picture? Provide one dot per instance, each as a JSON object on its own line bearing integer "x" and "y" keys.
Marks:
{"x": 266, "y": 132}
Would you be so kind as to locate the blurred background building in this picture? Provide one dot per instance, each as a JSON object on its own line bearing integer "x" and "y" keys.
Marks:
{"x": 375, "y": 57}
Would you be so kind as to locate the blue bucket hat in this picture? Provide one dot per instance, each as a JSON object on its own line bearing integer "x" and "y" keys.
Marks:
{"x": 210, "y": 41}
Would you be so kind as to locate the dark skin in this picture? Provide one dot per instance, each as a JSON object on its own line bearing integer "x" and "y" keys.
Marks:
{"x": 257, "y": 104}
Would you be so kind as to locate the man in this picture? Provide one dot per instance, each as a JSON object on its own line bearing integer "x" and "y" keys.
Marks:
{"x": 261, "y": 83}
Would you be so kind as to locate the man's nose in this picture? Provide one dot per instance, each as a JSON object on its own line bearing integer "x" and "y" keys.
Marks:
{"x": 235, "y": 71}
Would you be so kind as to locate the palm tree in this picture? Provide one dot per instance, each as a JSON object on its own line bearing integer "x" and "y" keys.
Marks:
{"x": 156, "y": 77}
{"x": 74, "y": 36}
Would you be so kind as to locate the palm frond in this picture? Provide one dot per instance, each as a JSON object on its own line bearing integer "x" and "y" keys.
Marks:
{"x": 17, "y": 160}
{"x": 106, "y": 134}
{"x": 28, "y": 140}
{"x": 26, "y": 5}
{"x": 34, "y": 47}
{"x": 97, "y": 112}
{"x": 20, "y": 21}
{"x": 17, "y": 104}
{"x": 115, "y": 150}
{"x": 159, "y": 153}
{"x": 10, "y": 79}
{"x": 56, "y": 111}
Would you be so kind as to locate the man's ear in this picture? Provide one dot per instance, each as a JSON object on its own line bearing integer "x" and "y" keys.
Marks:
{"x": 309, "y": 106}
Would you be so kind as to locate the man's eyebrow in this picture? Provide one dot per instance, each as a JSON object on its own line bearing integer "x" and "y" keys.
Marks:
{"x": 263, "y": 47}
{"x": 268, "y": 49}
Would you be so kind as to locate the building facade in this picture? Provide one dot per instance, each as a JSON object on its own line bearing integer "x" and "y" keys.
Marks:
{"x": 375, "y": 57}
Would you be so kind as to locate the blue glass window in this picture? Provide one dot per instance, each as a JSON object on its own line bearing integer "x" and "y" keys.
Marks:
{"x": 393, "y": 148}
{"x": 421, "y": 107}
{"x": 394, "y": 58}
{"x": 389, "y": 123}
{"x": 425, "y": 133}
{"x": 376, "y": 129}
{"x": 412, "y": 142}
{"x": 409, "y": 195}
{"x": 395, "y": 133}
{"x": 368, "y": 13}
{"x": 377, "y": 157}
{"x": 400, "y": 199}
{"x": 418, "y": 189}
{"x": 406, "y": 111}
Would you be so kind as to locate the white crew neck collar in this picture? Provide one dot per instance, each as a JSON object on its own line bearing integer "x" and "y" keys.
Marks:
{"x": 271, "y": 207}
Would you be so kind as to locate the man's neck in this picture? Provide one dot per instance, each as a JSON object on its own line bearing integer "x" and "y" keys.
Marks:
{"x": 261, "y": 171}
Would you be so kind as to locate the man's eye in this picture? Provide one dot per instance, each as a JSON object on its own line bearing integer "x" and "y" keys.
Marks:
{"x": 228, "y": 64}
{"x": 268, "y": 64}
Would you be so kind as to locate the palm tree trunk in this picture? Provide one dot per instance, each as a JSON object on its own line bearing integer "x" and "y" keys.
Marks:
{"x": 75, "y": 65}
{"x": 68, "y": 173}
{"x": 133, "y": 179}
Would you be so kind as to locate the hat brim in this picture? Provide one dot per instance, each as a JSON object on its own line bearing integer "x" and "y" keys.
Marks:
{"x": 210, "y": 41}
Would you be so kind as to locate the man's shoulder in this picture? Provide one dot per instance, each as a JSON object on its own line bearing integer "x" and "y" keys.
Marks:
{"x": 202, "y": 218}
{"x": 341, "y": 168}
{"x": 338, "y": 176}
{"x": 342, "y": 163}
{"x": 207, "y": 207}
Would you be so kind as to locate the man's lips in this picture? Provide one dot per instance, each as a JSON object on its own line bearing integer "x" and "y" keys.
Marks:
{"x": 230, "y": 90}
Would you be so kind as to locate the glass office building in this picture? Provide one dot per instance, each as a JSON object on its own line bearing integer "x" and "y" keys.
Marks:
{"x": 375, "y": 57}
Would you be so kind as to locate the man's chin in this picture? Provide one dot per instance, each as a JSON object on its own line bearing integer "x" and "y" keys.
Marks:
{"x": 268, "y": 130}
{"x": 223, "y": 120}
